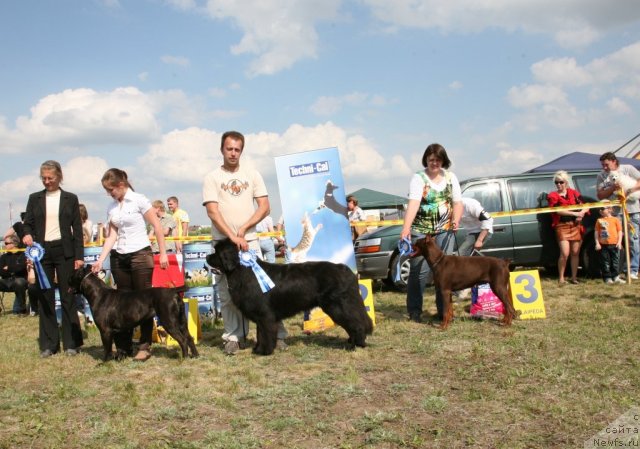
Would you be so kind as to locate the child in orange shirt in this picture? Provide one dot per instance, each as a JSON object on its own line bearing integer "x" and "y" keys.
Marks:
{"x": 608, "y": 239}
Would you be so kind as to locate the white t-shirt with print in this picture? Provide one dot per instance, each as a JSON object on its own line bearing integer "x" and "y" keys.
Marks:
{"x": 235, "y": 193}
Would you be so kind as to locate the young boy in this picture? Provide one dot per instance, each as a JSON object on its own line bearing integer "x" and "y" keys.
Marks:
{"x": 608, "y": 241}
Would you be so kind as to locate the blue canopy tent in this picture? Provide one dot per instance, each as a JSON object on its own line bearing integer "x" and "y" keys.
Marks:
{"x": 579, "y": 161}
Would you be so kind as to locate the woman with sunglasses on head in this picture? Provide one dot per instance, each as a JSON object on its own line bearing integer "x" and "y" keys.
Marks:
{"x": 567, "y": 225}
{"x": 52, "y": 220}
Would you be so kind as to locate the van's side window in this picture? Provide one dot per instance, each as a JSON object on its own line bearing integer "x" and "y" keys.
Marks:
{"x": 530, "y": 193}
{"x": 488, "y": 194}
{"x": 586, "y": 185}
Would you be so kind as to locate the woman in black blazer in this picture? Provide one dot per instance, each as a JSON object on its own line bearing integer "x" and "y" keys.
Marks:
{"x": 53, "y": 220}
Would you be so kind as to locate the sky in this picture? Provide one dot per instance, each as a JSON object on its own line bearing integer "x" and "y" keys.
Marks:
{"x": 149, "y": 86}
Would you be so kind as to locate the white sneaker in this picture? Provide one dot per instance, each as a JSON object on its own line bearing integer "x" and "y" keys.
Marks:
{"x": 608, "y": 281}
{"x": 634, "y": 276}
{"x": 617, "y": 280}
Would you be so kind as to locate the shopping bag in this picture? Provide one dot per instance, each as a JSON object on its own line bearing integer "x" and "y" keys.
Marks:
{"x": 485, "y": 303}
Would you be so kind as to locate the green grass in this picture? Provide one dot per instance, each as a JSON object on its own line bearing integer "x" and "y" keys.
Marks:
{"x": 541, "y": 383}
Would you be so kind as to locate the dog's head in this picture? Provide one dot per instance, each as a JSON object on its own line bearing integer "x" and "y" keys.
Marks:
{"x": 77, "y": 277}
{"x": 330, "y": 187}
{"x": 425, "y": 247}
{"x": 225, "y": 256}
{"x": 613, "y": 176}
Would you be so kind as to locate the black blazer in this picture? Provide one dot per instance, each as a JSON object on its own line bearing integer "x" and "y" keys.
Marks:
{"x": 70, "y": 222}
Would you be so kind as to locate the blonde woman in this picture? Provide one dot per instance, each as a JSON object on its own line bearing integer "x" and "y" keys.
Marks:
{"x": 52, "y": 221}
{"x": 567, "y": 225}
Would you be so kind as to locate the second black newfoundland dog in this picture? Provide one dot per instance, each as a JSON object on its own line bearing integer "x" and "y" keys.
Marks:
{"x": 298, "y": 287}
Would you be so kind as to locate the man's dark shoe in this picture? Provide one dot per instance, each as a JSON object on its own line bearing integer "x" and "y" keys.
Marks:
{"x": 72, "y": 352}
{"x": 46, "y": 353}
{"x": 415, "y": 317}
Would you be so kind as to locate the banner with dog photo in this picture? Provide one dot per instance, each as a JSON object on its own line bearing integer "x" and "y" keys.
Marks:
{"x": 314, "y": 208}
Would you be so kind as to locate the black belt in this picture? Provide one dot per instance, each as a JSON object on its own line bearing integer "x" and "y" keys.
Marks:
{"x": 53, "y": 243}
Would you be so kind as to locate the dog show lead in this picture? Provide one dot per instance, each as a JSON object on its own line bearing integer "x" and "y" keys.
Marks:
{"x": 435, "y": 208}
{"x": 53, "y": 235}
{"x": 129, "y": 249}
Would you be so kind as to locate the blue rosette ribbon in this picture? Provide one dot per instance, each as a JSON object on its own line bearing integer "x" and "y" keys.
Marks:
{"x": 35, "y": 253}
{"x": 404, "y": 248}
{"x": 250, "y": 259}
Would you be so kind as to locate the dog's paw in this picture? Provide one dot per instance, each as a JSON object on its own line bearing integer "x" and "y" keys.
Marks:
{"x": 121, "y": 355}
{"x": 260, "y": 350}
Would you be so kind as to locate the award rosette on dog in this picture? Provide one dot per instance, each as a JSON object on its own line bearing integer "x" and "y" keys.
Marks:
{"x": 35, "y": 253}
{"x": 404, "y": 248}
{"x": 249, "y": 259}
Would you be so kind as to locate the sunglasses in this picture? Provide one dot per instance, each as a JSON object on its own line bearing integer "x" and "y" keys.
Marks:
{"x": 558, "y": 182}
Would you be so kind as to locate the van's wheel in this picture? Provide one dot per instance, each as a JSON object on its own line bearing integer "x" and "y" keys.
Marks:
{"x": 400, "y": 284}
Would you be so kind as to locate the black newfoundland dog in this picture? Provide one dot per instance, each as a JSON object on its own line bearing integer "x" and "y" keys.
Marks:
{"x": 115, "y": 310}
{"x": 298, "y": 287}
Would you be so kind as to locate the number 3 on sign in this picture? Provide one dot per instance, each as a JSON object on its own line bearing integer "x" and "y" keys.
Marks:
{"x": 526, "y": 292}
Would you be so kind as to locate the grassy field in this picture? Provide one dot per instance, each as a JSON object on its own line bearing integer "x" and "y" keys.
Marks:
{"x": 539, "y": 384}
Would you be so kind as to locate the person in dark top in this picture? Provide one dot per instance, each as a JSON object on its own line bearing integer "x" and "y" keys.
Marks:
{"x": 13, "y": 274}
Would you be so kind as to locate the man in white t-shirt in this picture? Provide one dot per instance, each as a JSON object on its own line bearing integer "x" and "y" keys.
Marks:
{"x": 605, "y": 189}
{"x": 478, "y": 224}
{"x": 229, "y": 193}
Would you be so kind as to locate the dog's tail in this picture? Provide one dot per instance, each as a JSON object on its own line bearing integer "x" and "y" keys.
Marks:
{"x": 369, "y": 325}
{"x": 516, "y": 313}
{"x": 179, "y": 294}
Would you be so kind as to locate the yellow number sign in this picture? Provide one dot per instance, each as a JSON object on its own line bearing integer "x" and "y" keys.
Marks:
{"x": 526, "y": 292}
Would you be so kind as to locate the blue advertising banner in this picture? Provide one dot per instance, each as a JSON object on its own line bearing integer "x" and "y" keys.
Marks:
{"x": 314, "y": 207}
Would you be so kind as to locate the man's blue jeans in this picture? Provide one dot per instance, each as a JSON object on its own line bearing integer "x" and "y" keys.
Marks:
{"x": 418, "y": 274}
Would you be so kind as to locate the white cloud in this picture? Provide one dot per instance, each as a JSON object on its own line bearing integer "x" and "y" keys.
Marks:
{"x": 175, "y": 60}
{"x": 82, "y": 175}
{"x": 573, "y": 23}
{"x": 329, "y": 105}
{"x": 180, "y": 156}
{"x": 182, "y": 4}
{"x": 278, "y": 33}
{"x": 507, "y": 160}
{"x": 618, "y": 106}
{"x": 561, "y": 71}
{"x": 610, "y": 84}
{"x": 326, "y": 105}
{"x": 81, "y": 117}
{"x": 143, "y": 76}
{"x": 187, "y": 155}
{"x": 455, "y": 85}
{"x": 217, "y": 92}
{"x": 111, "y": 3}
{"x": 533, "y": 95}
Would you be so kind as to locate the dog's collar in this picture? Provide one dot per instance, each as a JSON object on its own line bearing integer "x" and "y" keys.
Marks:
{"x": 85, "y": 276}
{"x": 437, "y": 261}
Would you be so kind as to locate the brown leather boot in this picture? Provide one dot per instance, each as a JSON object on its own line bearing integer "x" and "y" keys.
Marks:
{"x": 144, "y": 353}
